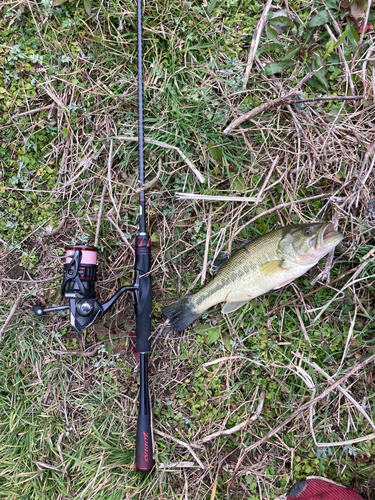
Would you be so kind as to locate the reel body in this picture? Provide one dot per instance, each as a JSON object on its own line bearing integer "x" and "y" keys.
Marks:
{"x": 79, "y": 277}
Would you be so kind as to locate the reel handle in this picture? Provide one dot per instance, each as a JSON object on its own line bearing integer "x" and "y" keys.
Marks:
{"x": 40, "y": 311}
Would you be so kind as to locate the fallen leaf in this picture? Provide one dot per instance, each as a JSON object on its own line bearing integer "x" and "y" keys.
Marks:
{"x": 101, "y": 331}
{"x": 120, "y": 347}
{"x": 364, "y": 29}
{"x": 215, "y": 153}
{"x": 56, "y": 3}
{"x": 213, "y": 335}
{"x": 357, "y": 9}
{"x": 88, "y": 5}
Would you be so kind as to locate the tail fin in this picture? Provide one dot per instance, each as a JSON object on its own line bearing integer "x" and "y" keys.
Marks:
{"x": 180, "y": 313}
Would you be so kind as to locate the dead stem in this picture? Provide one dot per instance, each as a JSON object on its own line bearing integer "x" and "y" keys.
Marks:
{"x": 255, "y": 42}
{"x": 10, "y": 315}
{"x": 270, "y": 104}
{"x": 303, "y": 408}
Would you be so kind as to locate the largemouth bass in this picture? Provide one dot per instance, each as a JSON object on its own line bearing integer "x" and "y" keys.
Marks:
{"x": 266, "y": 263}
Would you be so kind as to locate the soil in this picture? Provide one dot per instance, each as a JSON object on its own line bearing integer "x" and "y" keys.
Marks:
{"x": 11, "y": 267}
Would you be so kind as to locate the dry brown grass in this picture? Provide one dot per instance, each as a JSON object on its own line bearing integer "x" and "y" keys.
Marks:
{"x": 298, "y": 164}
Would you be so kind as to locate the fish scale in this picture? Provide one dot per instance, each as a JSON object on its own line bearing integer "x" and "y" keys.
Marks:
{"x": 242, "y": 271}
{"x": 266, "y": 263}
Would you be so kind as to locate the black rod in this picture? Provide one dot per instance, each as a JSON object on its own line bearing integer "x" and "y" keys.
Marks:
{"x": 142, "y": 215}
{"x": 144, "y": 459}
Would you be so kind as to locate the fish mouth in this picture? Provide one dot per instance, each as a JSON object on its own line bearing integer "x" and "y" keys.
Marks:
{"x": 329, "y": 236}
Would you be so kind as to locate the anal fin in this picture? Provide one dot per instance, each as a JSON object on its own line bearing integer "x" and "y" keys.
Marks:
{"x": 233, "y": 306}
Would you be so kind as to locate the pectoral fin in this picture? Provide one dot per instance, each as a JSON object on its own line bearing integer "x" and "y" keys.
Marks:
{"x": 271, "y": 267}
{"x": 233, "y": 306}
{"x": 283, "y": 284}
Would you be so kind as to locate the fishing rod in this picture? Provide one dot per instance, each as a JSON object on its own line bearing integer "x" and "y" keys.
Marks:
{"x": 79, "y": 277}
{"x": 144, "y": 460}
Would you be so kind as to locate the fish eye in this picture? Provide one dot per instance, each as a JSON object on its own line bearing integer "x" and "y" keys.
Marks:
{"x": 308, "y": 232}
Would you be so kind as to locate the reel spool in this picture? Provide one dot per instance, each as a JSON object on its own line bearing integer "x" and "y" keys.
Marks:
{"x": 79, "y": 277}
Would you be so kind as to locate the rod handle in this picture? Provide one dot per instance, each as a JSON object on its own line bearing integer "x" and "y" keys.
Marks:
{"x": 144, "y": 460}
{"x": 143, "y": 304}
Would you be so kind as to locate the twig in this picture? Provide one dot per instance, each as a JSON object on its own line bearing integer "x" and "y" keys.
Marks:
{"x": 238, "y": 427}
{"x": 302, "y": 324}
{"x": 100, "y": 215}
{"x": 361, "y": 183}
{"x": 316, "y": 290}
{"x": 300, "y": 133}
{"x": 257, "y": 363}
{"x": 207, "y": 197}
{"x": 370, "y": 169}
{"x": 122, "y": 235}
{"x": 148, "y": 140}
{"x": 46, "y": 234}
{"x": 207, "y": 247}
{"x": 191, "y": 287}
{"x": 226, "y": 432}
{"x": 32, "y": 111}
{"x": 343, "y": 58}
{"x": 348, "y": 339}
{"x": 255, "y": 42}
{"x": 307, "y": 379}
{"x": 109, "y": 175}
{"x": 12, "y": 280}
{"x": 178, "y": 465}
{"x": 43, "y": 465}
{"x": 189, "y": 447}
{"x": 270, "y": 104}
{"x": 275, "y": 162}
{"x": 364, "y": 67}
{"x": 10, "y": 315}
{"x": 279, "y": 207}
{"x": 359, "y": 44}
{"x": 84, "y": 354}
{"x": 304, "y": 407}
{"x": 176, "y": 440}
{"x": 330, "y": 98}
{"x": 153, "y": 181}
{"x": 369, "y": 152}
{"x": 343, "y": 391}
{"x": 361, "y": 267}
{"x": 85, "y": 164}
{"x": 326, "y": 273}
{"x": 349, "y": 442}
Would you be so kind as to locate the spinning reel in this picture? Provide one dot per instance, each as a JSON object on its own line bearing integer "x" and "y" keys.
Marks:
{"x": 80, "y": 275}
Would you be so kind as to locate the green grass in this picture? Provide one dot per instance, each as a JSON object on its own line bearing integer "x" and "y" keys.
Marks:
{"x": 67, "y": 422}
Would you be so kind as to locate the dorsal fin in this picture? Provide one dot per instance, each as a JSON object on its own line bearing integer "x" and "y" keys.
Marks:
{"x": 223, "y": 257}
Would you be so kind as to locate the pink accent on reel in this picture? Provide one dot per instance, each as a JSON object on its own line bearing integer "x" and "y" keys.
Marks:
{"x": 89, "y": 254}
